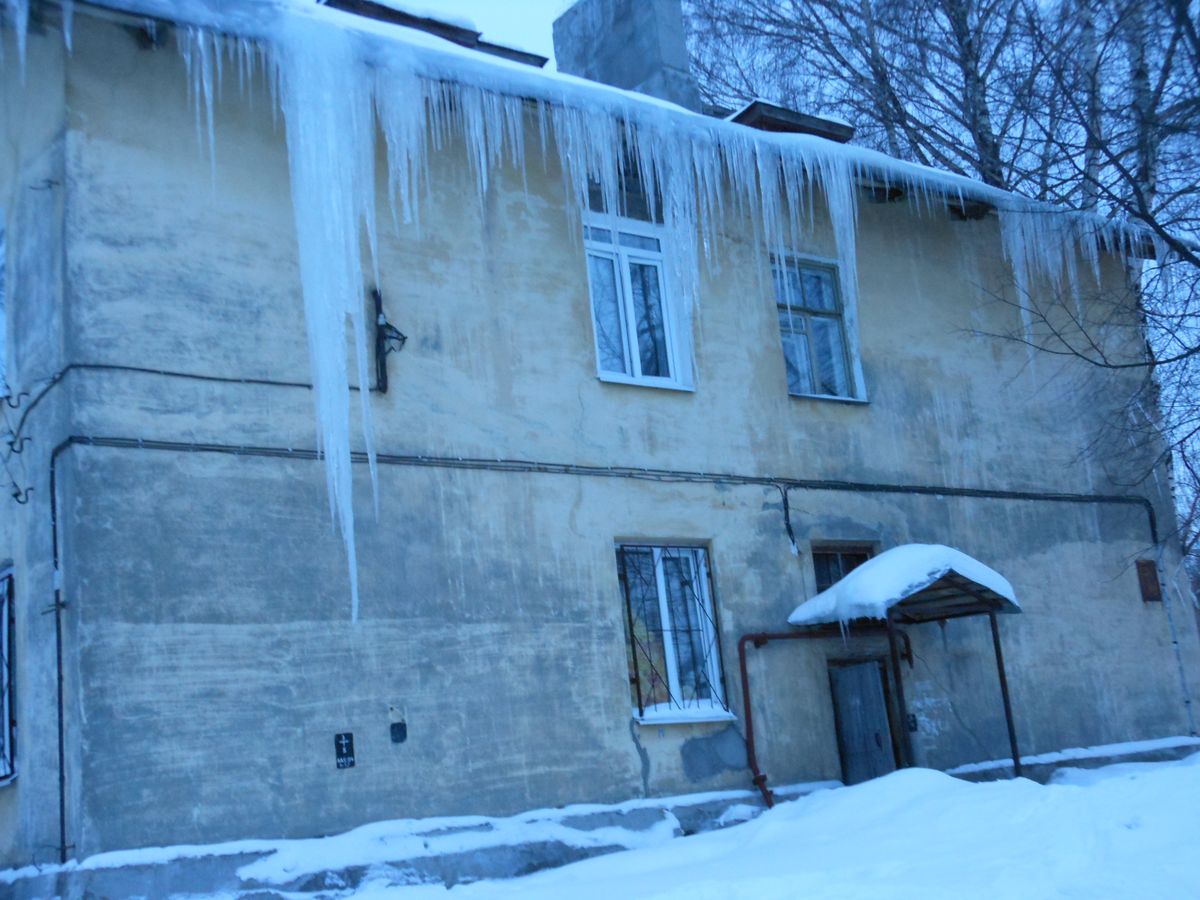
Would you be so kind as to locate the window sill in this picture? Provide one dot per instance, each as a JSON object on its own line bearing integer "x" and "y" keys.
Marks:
{"x": 684, "y": 717}
{"x": 660, "y": 383}
{"x": 834, "y": 398}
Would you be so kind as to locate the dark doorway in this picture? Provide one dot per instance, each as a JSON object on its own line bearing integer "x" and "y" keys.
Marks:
{"x": 860, "y": 710}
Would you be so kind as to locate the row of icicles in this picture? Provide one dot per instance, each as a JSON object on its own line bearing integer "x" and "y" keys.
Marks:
{"x": 334, "y": 87}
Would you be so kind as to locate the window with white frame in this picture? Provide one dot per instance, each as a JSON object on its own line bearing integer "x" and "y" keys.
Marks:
{"x": 813, "y": 329}
{"x": 637, "y": 321}
{"x": 7, "y": 696}
{"x": 674, "y": 646}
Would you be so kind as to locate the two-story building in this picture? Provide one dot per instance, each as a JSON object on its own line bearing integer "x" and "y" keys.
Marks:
{"x": 602, "y": 383}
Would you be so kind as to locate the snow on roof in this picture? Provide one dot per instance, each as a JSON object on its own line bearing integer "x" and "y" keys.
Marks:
{"x": 893, "y": 576}
{"x": 1034, "y": 242}
{"x": 426, "y": 12}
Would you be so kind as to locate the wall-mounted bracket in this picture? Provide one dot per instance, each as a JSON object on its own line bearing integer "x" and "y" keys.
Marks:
{"x": 388, "y": 339}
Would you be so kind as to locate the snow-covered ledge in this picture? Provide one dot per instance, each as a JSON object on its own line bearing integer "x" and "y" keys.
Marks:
{"x": 671, "y": 714}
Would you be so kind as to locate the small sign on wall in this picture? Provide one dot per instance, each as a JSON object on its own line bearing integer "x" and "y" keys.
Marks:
{"x": 343, "y": 749}
{"x": 1147, "y": 573}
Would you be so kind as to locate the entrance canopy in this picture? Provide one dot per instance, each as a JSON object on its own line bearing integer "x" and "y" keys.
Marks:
{"x": 911, "y": 583}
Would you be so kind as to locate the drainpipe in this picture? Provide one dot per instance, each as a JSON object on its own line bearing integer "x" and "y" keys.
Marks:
{"x": 57, "y": 608}
{"x": 760, "y": 638}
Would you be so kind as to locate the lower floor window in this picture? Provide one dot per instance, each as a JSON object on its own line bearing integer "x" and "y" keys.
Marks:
{"x": 674, "y": 650}
{"x": 7, "y": 750}
{"x": 832, "y": 564}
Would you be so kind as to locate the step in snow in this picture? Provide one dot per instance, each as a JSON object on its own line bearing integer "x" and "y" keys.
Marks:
{"x": 446, "y": 850}
{"x": 1042, "y": 766}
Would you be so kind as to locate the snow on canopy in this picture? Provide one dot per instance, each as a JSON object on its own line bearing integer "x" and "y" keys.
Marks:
{"x": 893, "y": 576}
{"x": 339, "y": 78}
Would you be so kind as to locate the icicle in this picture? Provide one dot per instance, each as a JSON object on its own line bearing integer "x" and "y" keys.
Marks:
{"x": 68, "y": 23}
{"x": 333, "y": 85}
{"x": 1015, "y": 241}
{"x": 201, "y": 57}
{"x": 16, "y": 15}
{"x": 325, "y": 91}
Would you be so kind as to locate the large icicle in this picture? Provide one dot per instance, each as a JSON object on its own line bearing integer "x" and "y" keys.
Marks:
{"x": 325, "y": 91}
{"x": 15, "y": 14}
{"x": 336, "y": 75}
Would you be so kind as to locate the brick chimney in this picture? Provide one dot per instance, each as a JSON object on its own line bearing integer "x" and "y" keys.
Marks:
{"x": 633, "y": 44}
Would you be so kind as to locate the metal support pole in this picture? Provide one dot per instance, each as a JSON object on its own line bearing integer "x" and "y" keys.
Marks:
{"x": 905, "y": 738}
{"x": 1008, "y": 714}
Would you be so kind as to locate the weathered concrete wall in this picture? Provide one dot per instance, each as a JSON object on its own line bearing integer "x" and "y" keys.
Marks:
{"x": 211, "y": 657}
{"x": 32, "y": 192}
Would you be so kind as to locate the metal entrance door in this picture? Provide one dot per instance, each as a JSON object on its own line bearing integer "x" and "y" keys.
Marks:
{"x": 860, "y": 712}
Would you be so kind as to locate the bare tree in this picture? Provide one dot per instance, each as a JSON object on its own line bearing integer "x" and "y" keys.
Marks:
{"x": 1093, "y": 104}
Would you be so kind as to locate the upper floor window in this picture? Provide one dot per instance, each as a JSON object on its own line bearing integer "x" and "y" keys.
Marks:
{"x": 813, "y": 330}
{"x": 674, "y": 651}
{"x": 637, "y": 320}
{"x": 7, "y": 696}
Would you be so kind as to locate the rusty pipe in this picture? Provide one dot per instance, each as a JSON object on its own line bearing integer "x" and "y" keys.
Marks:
{"x": 758, "y": 639}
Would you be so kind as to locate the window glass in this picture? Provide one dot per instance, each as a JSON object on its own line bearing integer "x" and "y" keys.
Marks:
{"x": 688, "y": 630}
{"x": 829, "y": 351}
{"x": 606, "y": 313}
{"x": 815, "y": 351}
{"x": 639, "y": 242}
{"x": 831, "y": 565}
{"x": 818, "y": 288}
{"x": 633, "y": 200}
{"x": 639, "y": 575}
{"x": 795, "y": 353}
{"x": 787, "y": 286}
{"x": 648, "y": 314}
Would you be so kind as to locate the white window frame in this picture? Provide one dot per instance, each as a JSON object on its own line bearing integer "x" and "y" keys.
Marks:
{"x": 807, "y": 314}
{"x": 674, "y": 320}
{"x": 678, "y": 709}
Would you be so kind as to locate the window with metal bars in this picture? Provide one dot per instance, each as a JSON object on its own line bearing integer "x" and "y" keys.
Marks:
{"x": 7, "y": 732}
{"x": 674, "y": 648}
{"x": 832, "y": 564}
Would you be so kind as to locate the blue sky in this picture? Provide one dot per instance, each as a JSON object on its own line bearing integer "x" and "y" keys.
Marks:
{"x": 518, "y": 23}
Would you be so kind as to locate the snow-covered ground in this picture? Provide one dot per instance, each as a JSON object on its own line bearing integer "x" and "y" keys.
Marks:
{"x": 1126, "y": 831}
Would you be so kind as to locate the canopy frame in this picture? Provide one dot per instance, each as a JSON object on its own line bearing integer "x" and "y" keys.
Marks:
{"x": 953, "y": 596}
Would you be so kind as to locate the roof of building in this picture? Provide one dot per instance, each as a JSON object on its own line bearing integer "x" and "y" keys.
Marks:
{"x": 767, "y": 116}
{"x": 442, "y": 48}
{"x": 436, "y": 22}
